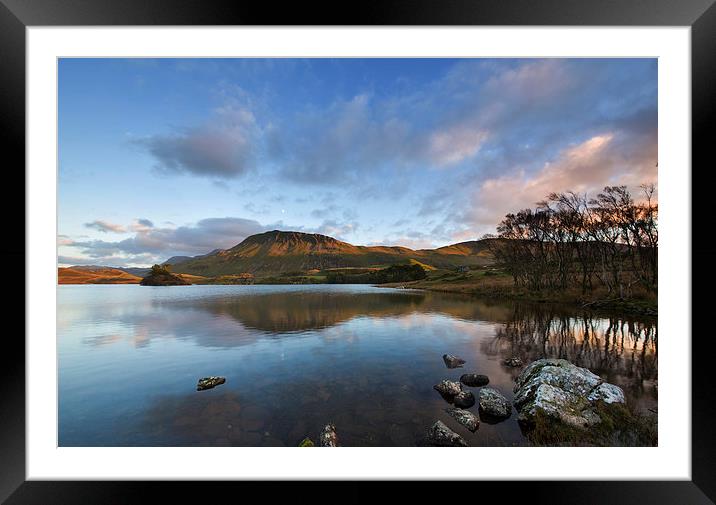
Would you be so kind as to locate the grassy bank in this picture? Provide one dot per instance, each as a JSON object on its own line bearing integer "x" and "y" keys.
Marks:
{"x": 620, "y": 427}
{"x": 493, "y": 283}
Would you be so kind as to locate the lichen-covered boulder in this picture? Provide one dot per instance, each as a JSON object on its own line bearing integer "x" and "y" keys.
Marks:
{"x": 209, "y": 382}
{"x": 464, "y": 417}
{"x": 464, "y": 399}
{"x": 609, "y": 393}
{"x": 328, "y": 437}
{"x": 448, "y": 389}
{"x": 562, "y": 391}
{"x": 474, "y": 380}
{"x": 453, "y": 361}
{"x": 442, "y": 436}
{"x": 494, "y": 404}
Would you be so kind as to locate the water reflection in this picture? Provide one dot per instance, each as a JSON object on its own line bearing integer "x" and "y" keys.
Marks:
{"x": 621, "y": 350}
{"x": 289, "y": 312}
{"x": 297, "y": 357}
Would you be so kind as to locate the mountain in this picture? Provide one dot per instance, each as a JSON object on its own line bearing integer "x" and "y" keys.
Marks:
{"x": 87, "y": 274}
{"x": 281, "y": 252}
{"x": 175, "y": 260}
{"x": 139, "y": 272}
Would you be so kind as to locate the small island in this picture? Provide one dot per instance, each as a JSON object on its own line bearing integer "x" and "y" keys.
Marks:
{"x": 161, "y": 275}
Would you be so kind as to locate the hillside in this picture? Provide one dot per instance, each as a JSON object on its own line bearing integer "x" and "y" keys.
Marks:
{"x": 95, "y": 275}
{"x": 175, "y": 260}
{"x": 279, "y": 252}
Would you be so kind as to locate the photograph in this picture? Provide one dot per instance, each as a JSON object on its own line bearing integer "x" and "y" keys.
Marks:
{"x": 357, "y": 252}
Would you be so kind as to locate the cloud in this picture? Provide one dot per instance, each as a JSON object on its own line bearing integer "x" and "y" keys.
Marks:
{"x": 482, "y": 118}
{"x": 105, "y": 227}
{"x": 336, "y": 229}
{"x": 64, "y": 240}
{"x": 110, "y": 260}
{"x": 200, "y": 238}
{"x": 483, "y": 138}
{"x": 605, "y": 159}
{"x": 325, "y": 212}
{"x": 141, "y": 225}
{"x": 455, "y": 145}
{"x": 487, "y": 116}
{"x": 411, "y": 239}
{"x": 224, "y": 148}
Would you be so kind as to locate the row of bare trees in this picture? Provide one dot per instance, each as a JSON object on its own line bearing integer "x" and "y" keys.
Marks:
{"x": 570, "y": 239}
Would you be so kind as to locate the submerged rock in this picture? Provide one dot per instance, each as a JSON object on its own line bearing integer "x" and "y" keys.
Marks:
{"x": 453, "y": 361}
{"x": 209, "y": 383}
{"x": 306, "y": 442}
{"x": 448, "y": 389}
{"x": 494, "y": 404}
{"x": 328, "y": 437}
{"x": 562, "y": 391}
{"x": 464, "y": 417}
{"x": 474, "y": 380}
{"x": 464, "y": 399}
{"x": 513, "y": 362}
{"x": 442, "y": 436}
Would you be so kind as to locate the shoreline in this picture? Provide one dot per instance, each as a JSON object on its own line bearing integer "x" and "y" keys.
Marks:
{"x": 635, "y": 307}
{"x": 502, "y": 291}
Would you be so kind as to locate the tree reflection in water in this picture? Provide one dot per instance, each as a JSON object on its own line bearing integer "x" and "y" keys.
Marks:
{"x": 619, "y": 349}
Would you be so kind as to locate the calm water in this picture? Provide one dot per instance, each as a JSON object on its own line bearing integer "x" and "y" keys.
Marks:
{"x": 298, "y": 357}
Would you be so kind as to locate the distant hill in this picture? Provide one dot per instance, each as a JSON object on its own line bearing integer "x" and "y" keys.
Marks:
{"x": 175, "y": 260}
{"x": 95, "y": 275}
{"x": 277, "y": 252}
{"x": 139, "y": 272}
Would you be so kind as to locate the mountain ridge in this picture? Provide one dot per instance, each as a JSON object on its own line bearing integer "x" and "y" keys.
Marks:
{"x": 279, "y": 251}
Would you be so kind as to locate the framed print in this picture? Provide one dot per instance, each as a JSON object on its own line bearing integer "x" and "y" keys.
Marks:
{"x": 380, "y": 238}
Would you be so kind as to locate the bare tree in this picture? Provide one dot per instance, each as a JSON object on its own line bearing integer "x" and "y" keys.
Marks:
{"x": 569, "y": 240}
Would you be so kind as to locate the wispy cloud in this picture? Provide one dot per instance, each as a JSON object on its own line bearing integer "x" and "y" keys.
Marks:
{"x": 200, "y": 238}
{"x": 106, "y": 227}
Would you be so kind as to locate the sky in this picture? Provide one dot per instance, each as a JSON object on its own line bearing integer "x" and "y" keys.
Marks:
{"x": 165, "y": 157}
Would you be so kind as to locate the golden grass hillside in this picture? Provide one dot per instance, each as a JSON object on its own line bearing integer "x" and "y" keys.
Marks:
{"x": 74, "y": 275}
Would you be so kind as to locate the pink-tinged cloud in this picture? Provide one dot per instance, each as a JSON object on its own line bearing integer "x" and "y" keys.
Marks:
{"x": 584, "y": 168}
{"x": 451, "y": 146}
{"x": 106, "y": 226}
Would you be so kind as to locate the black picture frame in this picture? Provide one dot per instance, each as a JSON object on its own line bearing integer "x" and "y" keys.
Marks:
{"x": 17, "y": 15}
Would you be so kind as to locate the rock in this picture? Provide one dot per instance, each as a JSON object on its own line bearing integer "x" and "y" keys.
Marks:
{"x": 513, "y": 362}
{"x": 493, "y": 404}
{"x": 328, "y": 437}
{"x": 563, "y": 391}
{"x": 209, "y": 383}
{"x": 448, "y": 389}
{"x": 306, "y": 442}
{"x": 464, "y": 399}
{"x": 453, "y": 361}
{"x": 464, "y": 417}
{"x": 442, "y": 436}
{"x": 474, "y": 380}
{"x": 161, "y": 275}
{"x": 608, "y": 393}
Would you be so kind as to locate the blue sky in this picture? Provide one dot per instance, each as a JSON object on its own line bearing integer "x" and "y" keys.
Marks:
{"x": 181, "y": 156}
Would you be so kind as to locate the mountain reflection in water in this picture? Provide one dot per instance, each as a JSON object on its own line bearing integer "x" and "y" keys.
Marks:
{"x": 297, "y": 357}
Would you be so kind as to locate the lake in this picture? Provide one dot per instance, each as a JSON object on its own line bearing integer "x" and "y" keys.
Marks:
{"x": 298, "y": 357}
